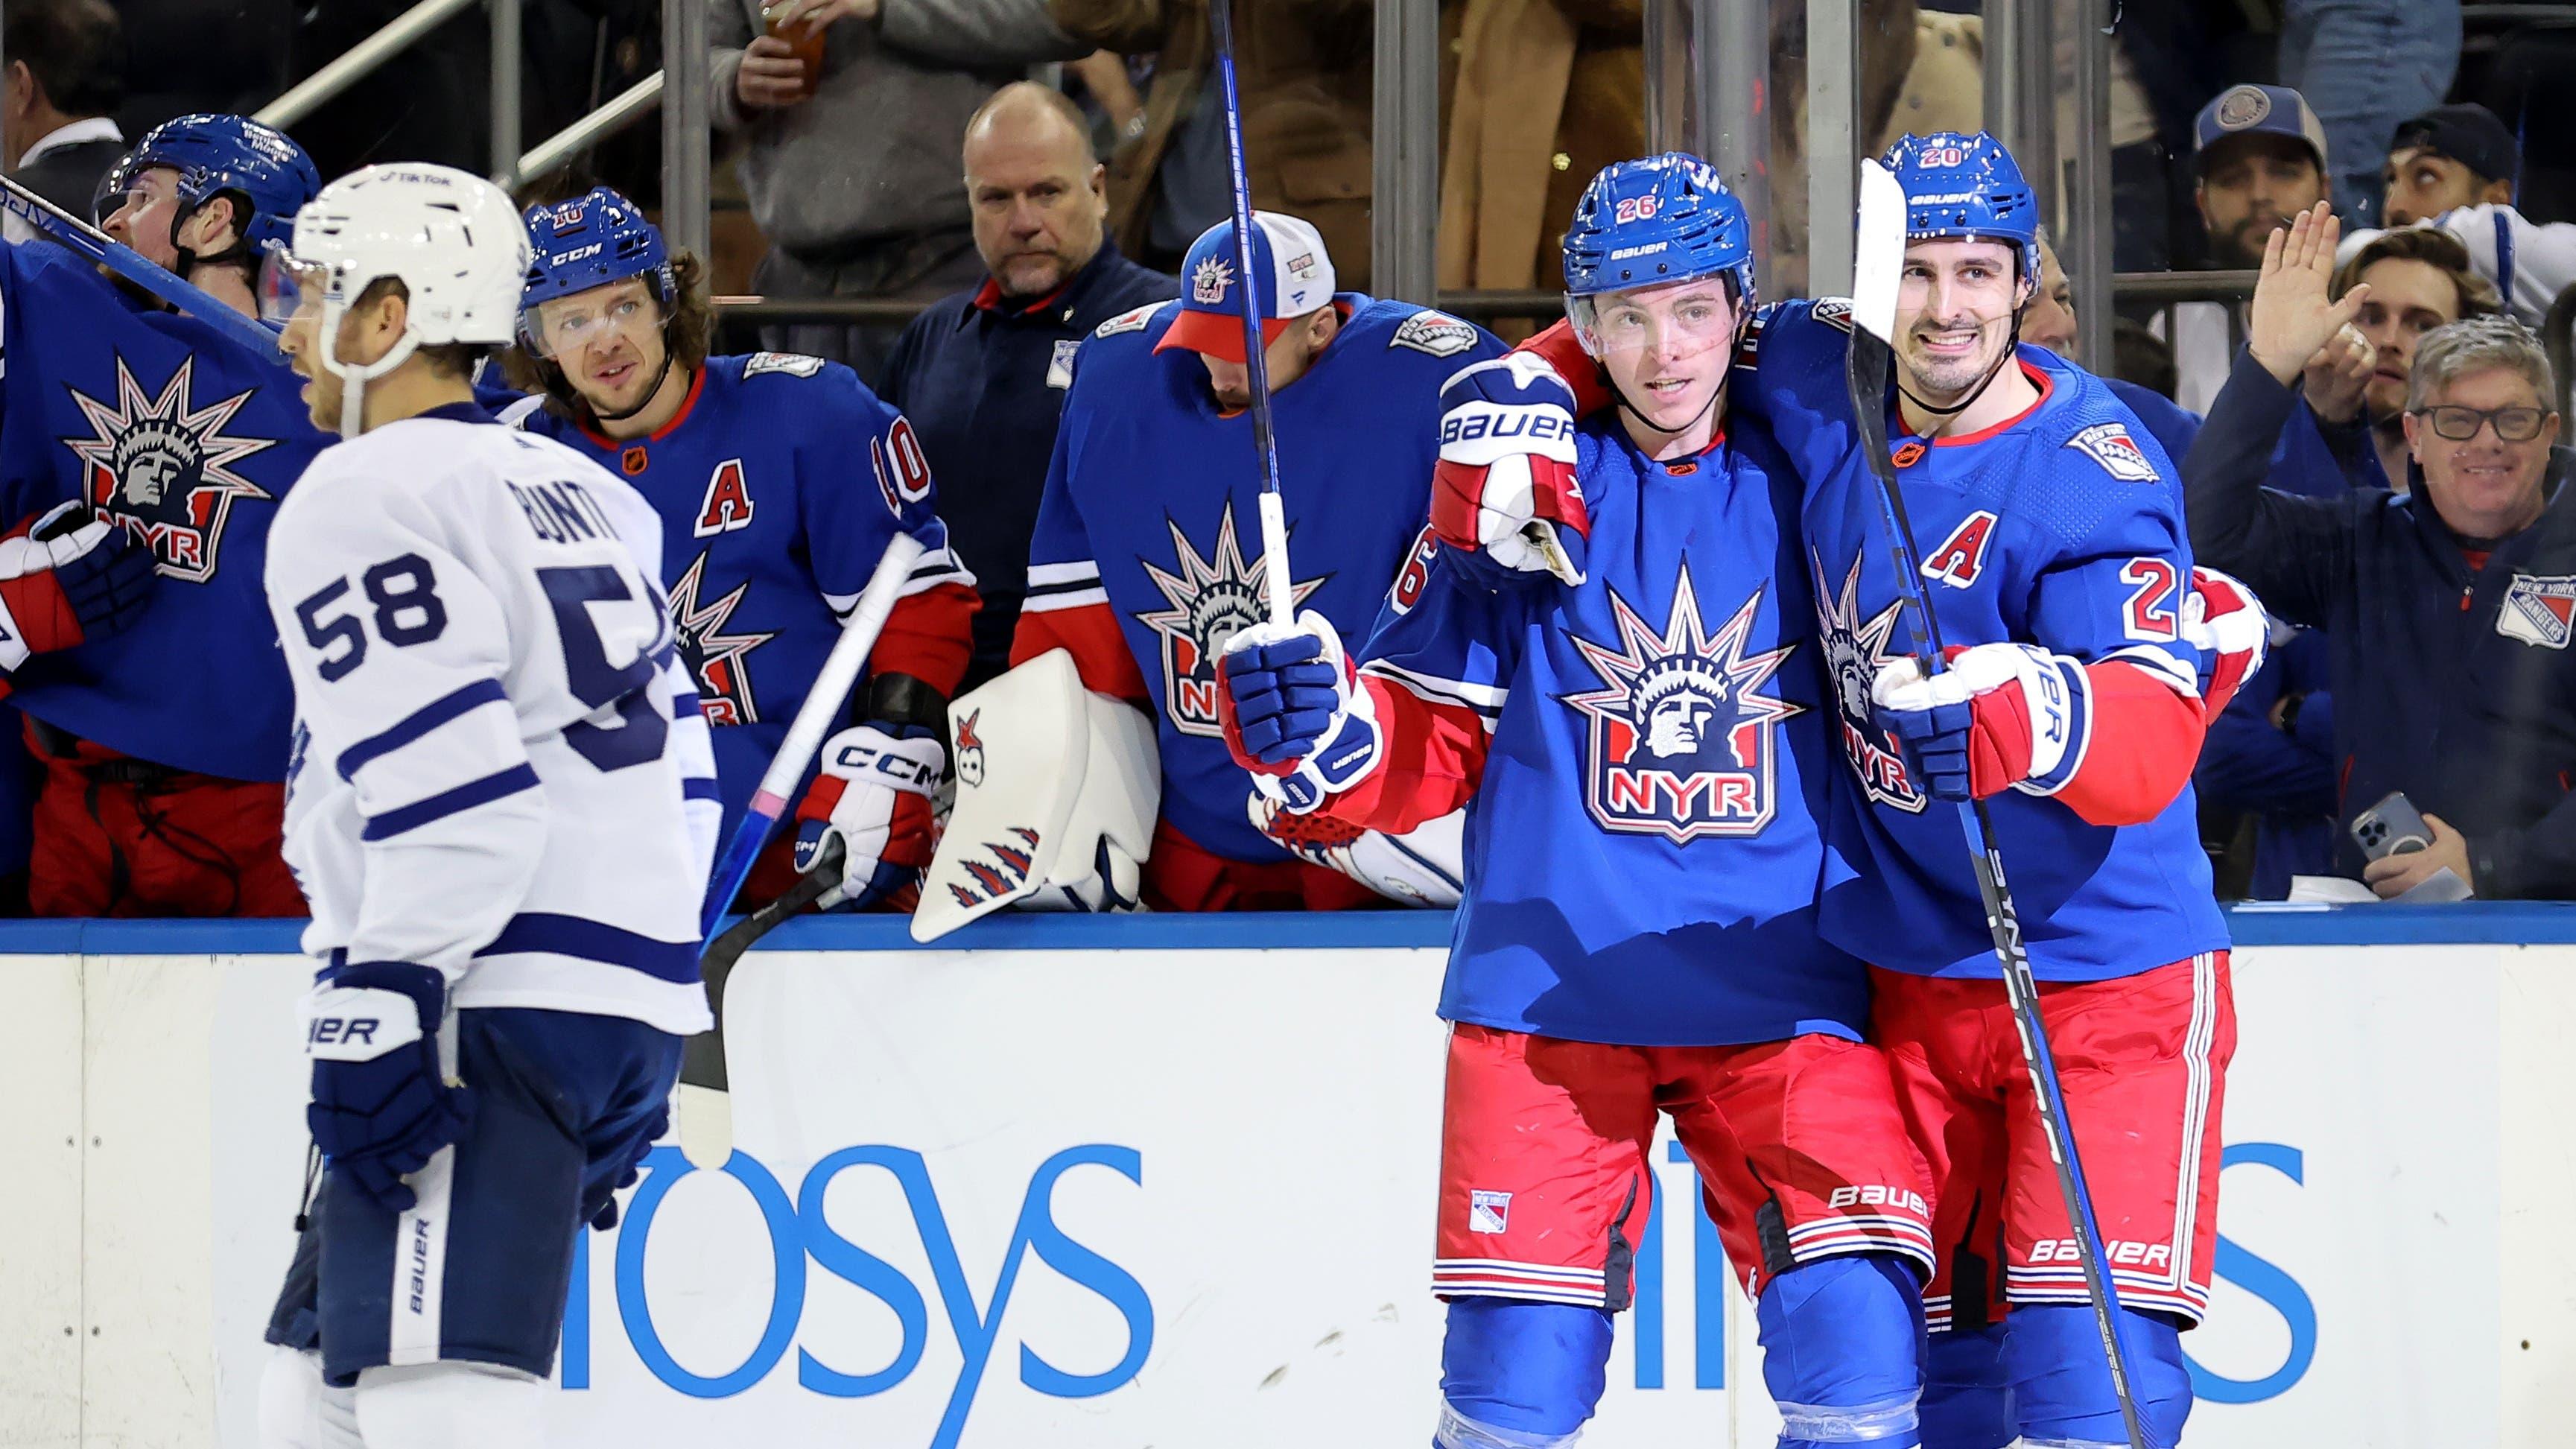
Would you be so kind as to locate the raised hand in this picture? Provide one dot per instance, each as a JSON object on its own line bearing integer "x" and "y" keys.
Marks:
{"x": 2292, "y": 316}
{"x": 2339, "y": 373}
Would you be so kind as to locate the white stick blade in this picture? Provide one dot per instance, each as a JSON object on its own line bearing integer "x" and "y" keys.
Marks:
{"x": 706, "y": 1126}
{"x": 1878, "y": 251}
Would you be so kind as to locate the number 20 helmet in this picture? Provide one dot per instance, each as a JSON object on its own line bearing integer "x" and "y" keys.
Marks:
{"x": 1961, "y": 186}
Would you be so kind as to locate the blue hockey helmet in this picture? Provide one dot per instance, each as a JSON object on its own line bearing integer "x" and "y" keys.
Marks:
{"x": 1959, "y": 186}
{"x": 214, "y": 154}
{"x": 590, "y": 241}
{"x": 1661, "y": 219}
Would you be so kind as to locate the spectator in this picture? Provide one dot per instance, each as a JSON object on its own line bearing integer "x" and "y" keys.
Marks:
{"x": 66, "y": 74}
{"x": 2444, "y": 608}
{"x": 1305, "y": 85}
{"x": 2453, "y": 168}
{"x": 2365, "y": 64}
{"x": 2260, "y": 154}
{"x": 983, "y": 373}
{"x": 2050, "y": 322}
{"x": 2353, "y": 392}
{"x": 847, "y": 165}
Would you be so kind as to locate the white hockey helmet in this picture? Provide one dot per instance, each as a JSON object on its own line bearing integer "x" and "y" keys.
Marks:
{"x": 452, "y": 238}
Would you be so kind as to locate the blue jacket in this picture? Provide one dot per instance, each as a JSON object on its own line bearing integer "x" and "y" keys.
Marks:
{"x": 983, "y": 381}
{"x": 2452, "y": 684}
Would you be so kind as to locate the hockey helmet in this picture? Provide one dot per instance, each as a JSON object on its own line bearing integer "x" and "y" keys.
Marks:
{"x": 1661, "y": 219}
{"x": 590, "y": 241}
{"x": 1959, "y": 186}
{"x": 214, "y": 154}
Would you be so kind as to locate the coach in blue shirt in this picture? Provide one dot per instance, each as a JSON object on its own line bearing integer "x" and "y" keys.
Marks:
{"x": 982, "y": 374}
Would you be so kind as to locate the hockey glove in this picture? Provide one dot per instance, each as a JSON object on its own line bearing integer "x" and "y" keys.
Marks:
{"x": 874, "y": 793}
{"x": 1995, "y": 717}
{"x": 2226, "y": 623}
{"x": 70, "y": 577}
{"x": 381, "y": 1106}
{"x": 1293, "y": 711}
{"x": 1504, "y": 489}
{"x": 601, "y": 1212}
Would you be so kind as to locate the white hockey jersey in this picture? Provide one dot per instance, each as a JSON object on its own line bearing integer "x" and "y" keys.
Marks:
{"x": 500, "y": 766}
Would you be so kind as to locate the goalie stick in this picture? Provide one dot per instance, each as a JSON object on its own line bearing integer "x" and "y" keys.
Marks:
{"x": 88, "y": 241}
{"x": 706, "y": 1102}
{"x": 1880, "y": 256}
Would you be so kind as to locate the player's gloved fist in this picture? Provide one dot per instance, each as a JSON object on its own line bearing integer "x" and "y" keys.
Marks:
{"x": 2226, "y": 623}
{"x": 1293, "y": 712}
{"x": 600, "y": 1211}
{"x": 1996, "y": 716}
{"x": 381, "y": 1106}
{"x": 70, "y": 577}
{"x": 1504, "y": 489}
{"x": 874, "y": 792}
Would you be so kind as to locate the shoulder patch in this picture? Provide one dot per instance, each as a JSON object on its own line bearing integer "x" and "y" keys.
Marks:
{"x": 2110, "y": 445}
{"x": 1834, "y": 311}
{"x": 1131, "y": 320}
{"x": 1434, "y": 332}
{"x": 2539, "y": 610}
{"x": 791, "y": 364}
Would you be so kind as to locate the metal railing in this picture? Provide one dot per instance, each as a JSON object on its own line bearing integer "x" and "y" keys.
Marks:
{"x": 354, "y": 64}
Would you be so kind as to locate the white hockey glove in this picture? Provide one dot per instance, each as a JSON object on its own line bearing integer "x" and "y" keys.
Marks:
{"x": 874, "y": 792}
{"x": 1294, "y": 713}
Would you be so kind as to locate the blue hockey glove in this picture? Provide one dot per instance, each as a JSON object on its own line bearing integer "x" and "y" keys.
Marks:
{"x": 71, "y": 577}
{"x": 381, "y": 1106}
{"x": 1293, "y": 711}
{"x": 873, "y": 790}
{"x": 602, "y": 1214}
{"x": 1995, "y": 717}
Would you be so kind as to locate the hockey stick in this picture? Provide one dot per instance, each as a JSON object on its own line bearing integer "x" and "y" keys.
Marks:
{"x": 1880, "y": 255}
{"x": 706, "y": 1106}
{"x": 97, "y": 246}
{"x": 1275, "y": 587}
{"x": 706, "y": 1126}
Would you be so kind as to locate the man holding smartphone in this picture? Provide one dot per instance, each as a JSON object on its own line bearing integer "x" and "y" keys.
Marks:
{"x": 2450, "y": 607}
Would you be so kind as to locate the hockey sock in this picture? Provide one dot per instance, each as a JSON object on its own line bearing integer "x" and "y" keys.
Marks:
{"x": 1841, "y": 1352}
{"x": 2062, "y": 1388}
{"x": 1519, "y": 1375}
{"x": 451, "y": 1406}
{"x": 299, "y": 1411}
{"x": 1967, "y": 1401}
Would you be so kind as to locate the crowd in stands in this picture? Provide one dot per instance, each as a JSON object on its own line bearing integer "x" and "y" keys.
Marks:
{"x": 2371, "y": 438}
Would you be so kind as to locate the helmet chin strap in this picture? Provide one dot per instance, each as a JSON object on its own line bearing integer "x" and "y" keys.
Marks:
{"x": 354, "y": 376}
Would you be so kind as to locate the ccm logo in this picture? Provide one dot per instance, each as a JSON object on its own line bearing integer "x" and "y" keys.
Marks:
{"x": 342, "y": 1030}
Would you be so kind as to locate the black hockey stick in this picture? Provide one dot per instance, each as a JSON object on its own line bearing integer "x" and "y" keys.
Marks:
{"x": 706, "y": 1137}
{"x": 1880, "y": 256}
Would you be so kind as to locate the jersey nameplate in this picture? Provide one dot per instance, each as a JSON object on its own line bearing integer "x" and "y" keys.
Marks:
{"x": 2539, "y": 611}
{"x": 2110, "y": 445}
{"x": 1435, "y": 333}
{"x": 792, "y": 364}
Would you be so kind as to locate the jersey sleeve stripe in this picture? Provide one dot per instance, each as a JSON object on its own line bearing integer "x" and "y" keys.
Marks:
{"x": 1485, "y": 699}
{"x": 1080, "y": 571}
{"x": 2160, "y": 662}
{"x": 418, "y": 723}
{"x": 450, "y": 802}
{"x": 541, "y": 932}
{"x": 1040, "y": 601}
{"x": 700, "y": 787}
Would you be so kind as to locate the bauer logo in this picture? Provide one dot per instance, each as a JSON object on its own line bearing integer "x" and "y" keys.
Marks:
{"x": 803, "y": 1238}
{"x": 1682, "y": 740}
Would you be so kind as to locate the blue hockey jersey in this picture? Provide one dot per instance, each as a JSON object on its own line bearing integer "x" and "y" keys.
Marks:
{"x": 1650, "y": 762}
{"x": 2061, "y": 528}
{"x": 1148, "y": 556}
{"x": 172, "y": 428}
{"x": 779, "y": 484}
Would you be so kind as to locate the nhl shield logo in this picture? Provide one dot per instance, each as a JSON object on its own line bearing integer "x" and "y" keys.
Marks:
{"x": 2539, "y": 611}
{"x": 1854, "y": 650}
{"x": 717, "y": 658}
{"x": 163, "y": 467}
{"x": 1681, "y": 742}
{"x": 1210, "y": 599}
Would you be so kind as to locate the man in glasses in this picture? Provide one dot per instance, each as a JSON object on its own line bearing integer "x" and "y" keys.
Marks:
{"x": 2449, "y": 608}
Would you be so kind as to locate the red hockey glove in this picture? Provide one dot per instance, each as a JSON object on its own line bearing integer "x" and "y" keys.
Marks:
{"x": 2226, "y": 623}
{"x": 69, "y": 576}
{"x": 873, "y": 791}
{"x": 1504, "y": 490}
{"x": 1995, "y": 717}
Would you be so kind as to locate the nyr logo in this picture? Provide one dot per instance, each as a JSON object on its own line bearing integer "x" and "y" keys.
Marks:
{"x": 1681, "y": 740}
{"x": 1854, "y": 650}
{"x": 1210, "y": 599}
{"x": 718, "y": 657}
{"x": 163, "y": 467}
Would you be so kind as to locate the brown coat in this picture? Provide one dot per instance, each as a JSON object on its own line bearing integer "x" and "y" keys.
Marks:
{"x": 1303, "y": 68}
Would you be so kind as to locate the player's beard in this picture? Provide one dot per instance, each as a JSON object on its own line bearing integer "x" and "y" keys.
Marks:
{"x": 1944, "y": 379}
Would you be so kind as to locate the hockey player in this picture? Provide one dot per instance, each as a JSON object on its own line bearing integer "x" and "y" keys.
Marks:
{"x": 1148, "y": 556}
{"x": 2087, "y": 655}
{"x": 164, "y": 744}
{"x": 491, "y": 810}
{"x": 779, "y": 480}
{"x": 1643, "y": 750}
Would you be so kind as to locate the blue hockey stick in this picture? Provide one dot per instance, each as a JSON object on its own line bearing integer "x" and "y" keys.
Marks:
{"x": 1275, "y": 586}
{"x": 1880, "y": 256}
{"x": 88, "y": 241}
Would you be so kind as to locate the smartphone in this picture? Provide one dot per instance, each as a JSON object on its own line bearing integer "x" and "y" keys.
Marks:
{"x": 2391, "y": 827}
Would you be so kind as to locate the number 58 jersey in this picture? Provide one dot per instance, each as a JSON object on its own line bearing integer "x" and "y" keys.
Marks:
{"x": 500, "y": 769}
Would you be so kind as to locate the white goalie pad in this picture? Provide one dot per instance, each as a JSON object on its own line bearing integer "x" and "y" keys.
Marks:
{"x": 1057, "y": 790}
{"x": 1425, "y": 866}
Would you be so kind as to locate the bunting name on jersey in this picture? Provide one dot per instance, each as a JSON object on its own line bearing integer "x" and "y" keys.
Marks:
{"x": 2110, "y": 445}
{"x": 1211, "y": 598}
{"x": 2539, "y": 610}
{"x": 1682, "y": 741}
